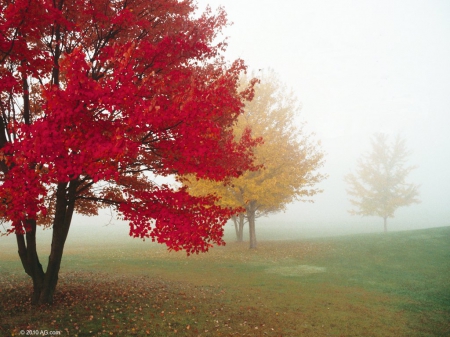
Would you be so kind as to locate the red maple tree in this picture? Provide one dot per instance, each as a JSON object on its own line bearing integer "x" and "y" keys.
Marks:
{"x": 94, "y": 95}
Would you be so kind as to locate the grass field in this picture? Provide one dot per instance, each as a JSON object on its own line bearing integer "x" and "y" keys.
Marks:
{"x": 395, "y": 284}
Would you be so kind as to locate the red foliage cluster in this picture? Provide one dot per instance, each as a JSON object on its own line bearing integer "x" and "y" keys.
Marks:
{"x": 98, "y": 93}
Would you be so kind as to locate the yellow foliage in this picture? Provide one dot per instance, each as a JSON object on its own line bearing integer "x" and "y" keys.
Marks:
{"x": 288, "y": 157}
{"x": 379, "y": 185}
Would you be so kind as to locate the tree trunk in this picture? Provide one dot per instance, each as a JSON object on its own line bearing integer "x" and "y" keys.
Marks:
{"x": 251, "y": 225}
{"x": 385, "y": 224}
{"x": 65, "y": 205}
{"x": 44, "y": 284}
{"x": 241, "y": 227}
{"x": 30, "y": 260}
{"x": 236, "y": 228}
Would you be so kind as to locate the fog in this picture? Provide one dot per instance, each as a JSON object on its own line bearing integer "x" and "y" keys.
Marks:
{"x": 358, "y": 67}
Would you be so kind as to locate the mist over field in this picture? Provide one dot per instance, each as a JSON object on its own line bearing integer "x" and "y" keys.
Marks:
{"x": 357, "y": 68}
{"x": 365, "y": 77}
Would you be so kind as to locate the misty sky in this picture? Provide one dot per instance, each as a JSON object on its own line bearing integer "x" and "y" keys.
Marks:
{"x": 358, "y": 67}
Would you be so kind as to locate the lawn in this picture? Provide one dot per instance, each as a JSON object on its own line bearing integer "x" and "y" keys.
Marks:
{"x": 394, "y": 284}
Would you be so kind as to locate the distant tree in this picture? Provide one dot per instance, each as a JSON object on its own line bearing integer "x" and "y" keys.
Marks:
{"x": 239, "y": 222}
{"x": 96, "y": 98}
{"x": 289, "y": 159}
{"x": 379, "y": 186}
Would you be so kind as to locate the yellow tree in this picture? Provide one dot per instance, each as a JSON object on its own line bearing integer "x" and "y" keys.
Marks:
{"x": 288, "y": 158}
{"x": 379, "y": 186}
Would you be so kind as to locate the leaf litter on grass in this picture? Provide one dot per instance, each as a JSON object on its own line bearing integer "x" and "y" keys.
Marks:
{"x": 231, "y": 291}
{"x": 88, "y": 304}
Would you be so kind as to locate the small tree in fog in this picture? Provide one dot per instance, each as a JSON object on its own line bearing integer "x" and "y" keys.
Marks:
{"x": 379, "y": 185}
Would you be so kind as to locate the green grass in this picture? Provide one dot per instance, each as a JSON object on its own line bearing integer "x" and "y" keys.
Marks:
{"x": 395, "y": 284}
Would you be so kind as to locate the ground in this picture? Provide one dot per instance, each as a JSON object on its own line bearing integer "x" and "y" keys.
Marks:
{"x": 393, "y": 284}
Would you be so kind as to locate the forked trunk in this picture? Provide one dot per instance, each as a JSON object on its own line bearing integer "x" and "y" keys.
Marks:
{"x": 30, "y": 260}
{"x": 238, "y": 221}
{"x": 44, "y": 284}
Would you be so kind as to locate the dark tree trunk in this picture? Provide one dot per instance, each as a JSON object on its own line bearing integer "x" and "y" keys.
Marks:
{"x": 44, "y": 284}
{"x": 27, "y": 249}
{"x": 30, "y": 260}
{"x": 65, "y": 205}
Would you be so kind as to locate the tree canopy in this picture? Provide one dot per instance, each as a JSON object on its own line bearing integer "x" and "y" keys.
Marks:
{"x": 288, "y": 157}
{"x": 96, "y": 94}
{"x": 379, "y": 187}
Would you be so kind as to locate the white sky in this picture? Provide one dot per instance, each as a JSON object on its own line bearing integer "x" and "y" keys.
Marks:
{"x": 358, "y": 67}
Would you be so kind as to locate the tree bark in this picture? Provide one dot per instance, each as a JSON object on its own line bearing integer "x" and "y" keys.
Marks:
{"x": 238, "y": 221}
{"x": 30, "y": 260}
{"x": 385, "y": 224}
{"x": 236, "y": 228}
{"x": 241, "y": 227}
{"x": 44, "y": 284}
{"x": 27, "y": 250}
{"x": 251, "y": 215}
{"x": 65, "y": 205}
